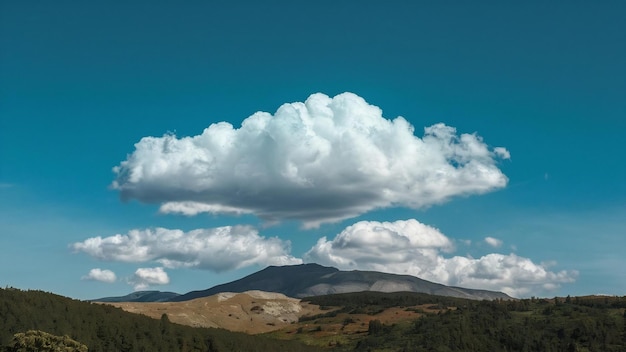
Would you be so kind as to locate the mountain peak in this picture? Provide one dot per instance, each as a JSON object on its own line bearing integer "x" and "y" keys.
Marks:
{"x": 311, "y": 279}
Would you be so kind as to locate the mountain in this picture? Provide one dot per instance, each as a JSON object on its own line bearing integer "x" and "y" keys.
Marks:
{"x": 141, "y": 296}
{"x": 307, "y": 280}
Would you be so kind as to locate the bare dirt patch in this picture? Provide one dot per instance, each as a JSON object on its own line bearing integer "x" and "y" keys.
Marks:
{"x": 347, "y": 328}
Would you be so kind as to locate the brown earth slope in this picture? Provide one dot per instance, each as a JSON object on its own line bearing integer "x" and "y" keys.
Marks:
{"x": 251, "y": 312}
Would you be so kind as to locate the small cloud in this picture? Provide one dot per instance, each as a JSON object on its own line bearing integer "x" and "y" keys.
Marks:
{"x": 502, "y": 152}
{"x": 318, "y": 161}
{"x": 100, "y": 275}
{"x": 493, "y": 242}
{"x": 466, "y": 242}
{"x": 145, "y": 277}
{"x": 6, "y": 185}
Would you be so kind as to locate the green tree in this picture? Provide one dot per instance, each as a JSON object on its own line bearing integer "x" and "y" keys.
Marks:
{"x": 624, "y": 332}
{"x": 374, "y": 327}
{"x": 165, "y": 324}
{"x": 35, "y": 340}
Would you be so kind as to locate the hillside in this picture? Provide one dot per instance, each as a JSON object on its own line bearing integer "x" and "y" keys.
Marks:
{"x": 307, "y": 280}
{"x": 406, "y": 321}
{"x": 363, "y": 321}
{"x": 374, "y": 321}
{"x": 251, "y": 312}
{"x": 105, "y": 328}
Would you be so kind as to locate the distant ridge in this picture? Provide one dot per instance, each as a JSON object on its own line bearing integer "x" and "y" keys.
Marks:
{"x": 140, "y": 296}
{"x": 306, "y": 280}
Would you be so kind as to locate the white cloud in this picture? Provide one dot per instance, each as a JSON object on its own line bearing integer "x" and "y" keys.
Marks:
{"x": 502, "y": 152}
{"x": 375, "y": 245}
{"x": 216, "y": 249}
{"x": 195, "y": 208}
{"x": 493, "y": 242}
{"x": 409, "y": 247}
{"x": 102, "y": 275}
{"x": 144, "y": 277}
{"x": 323, "y": 160}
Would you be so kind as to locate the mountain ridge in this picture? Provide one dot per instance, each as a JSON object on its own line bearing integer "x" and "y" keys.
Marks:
{"x": 305, "y": 280}
{"x": 140, "y": 296}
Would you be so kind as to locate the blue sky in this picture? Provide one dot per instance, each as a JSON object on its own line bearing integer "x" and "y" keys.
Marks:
{"x": 526, "y": 195}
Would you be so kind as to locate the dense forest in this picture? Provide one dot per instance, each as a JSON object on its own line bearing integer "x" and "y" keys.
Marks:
{"x": 105, "y": 328}
{"x": 559, "y": 324}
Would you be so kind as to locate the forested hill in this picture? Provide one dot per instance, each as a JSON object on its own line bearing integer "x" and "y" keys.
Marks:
{"x": 105, "y": 328}
{"x": 576, "y": 324}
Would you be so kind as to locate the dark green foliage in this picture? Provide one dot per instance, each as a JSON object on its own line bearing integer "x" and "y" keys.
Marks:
{"x": 594, "y": 324}
{"x": 105, "y": 328}
{"x": 375, "y": 327}
{"x": 35, "y": 340}
{"x": 372, "y": 303}
{"x": 624, "y": 330}
{"x": 367, "y": 299}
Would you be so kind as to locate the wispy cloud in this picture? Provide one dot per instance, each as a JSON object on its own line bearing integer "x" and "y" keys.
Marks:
{"x": 216, "y": 249}
{"x": 102, "y": 275}
{"x": 493, "y": 242}
{"x": 320, "y": 161}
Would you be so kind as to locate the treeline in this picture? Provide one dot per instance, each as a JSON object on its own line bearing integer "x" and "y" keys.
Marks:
{"x": 370, "y": 302}
{"x": 106, "y": 328}
{"x": 369, "y": 299}
{"x": 560, "y": 324}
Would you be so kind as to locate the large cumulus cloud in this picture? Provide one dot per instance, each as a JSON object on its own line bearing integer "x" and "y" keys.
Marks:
{"x": 323, "y": 160}
{"x": 409, "y": 247}
{"x": 216, "y": 249}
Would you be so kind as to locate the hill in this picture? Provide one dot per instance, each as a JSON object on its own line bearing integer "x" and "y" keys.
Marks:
{"x": 407, "y": 321}
{"x": 252, "y": 312}
{"x": 307, "y": 280}
{"x": 141, "y": 296}
{"x": 404, "y": 321}
{"x": 105, "y": 328}
{"x": 363, "y": 321}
